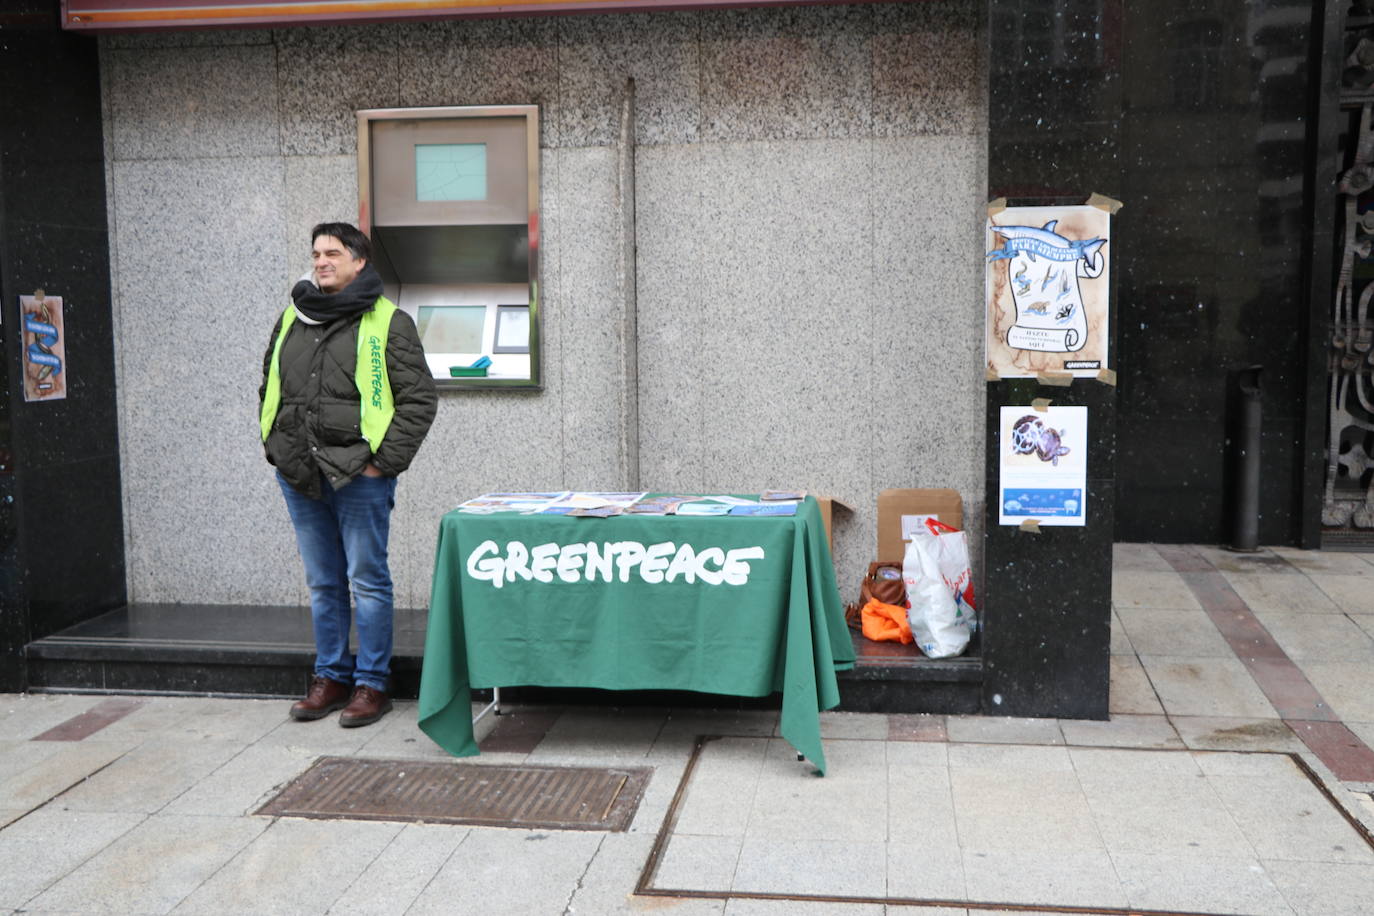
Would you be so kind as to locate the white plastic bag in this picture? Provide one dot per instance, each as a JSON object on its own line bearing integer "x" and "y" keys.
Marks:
{"x": 939, "y": 587}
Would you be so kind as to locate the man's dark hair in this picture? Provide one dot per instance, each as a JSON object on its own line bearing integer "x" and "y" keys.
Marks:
{"x": 353, "y": 239}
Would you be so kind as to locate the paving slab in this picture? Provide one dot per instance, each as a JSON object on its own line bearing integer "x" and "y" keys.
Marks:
{"x": 1288, "y": 818}
{"x": 1003, "y": 730}
{"x": 1280, "y": 592}
{"x": 1345, "y": 686}
{"x": 852, "y": 761}
{"x": 1130, "y": 691}
{"x": 1122, "y": 731}
{"x": 150, "y": 776}
{"x": 1167, "y": 631}
{"x": 37, "y": 771}
{"x": 1138, "y": 557}
{"x": 1322, "y": 889}
{"x": 399, "y": 735}
{"x": 1326, "y": 561}
{"x": 243, "y": 783}
{"x": 1084, "y": 878}
{"x": 720, "y": 806}
{"x": 211, "y": 718}
{"x": 295, "y": 866}
{"x": 1231, "y": 733}
{"x": 401, "y": 871}
{"x": 777, "y": 865}
{"x": 1211, "y": 885}
{"x": 601, "y": 738}
{"x": 607, "y": 888}
{"x": 746, "y": 906}
{"x": 920, "y": 809}
{"x": 1364, "y": 621}
{"x": 38, "y": 850}
{"x": 1352, "y": 594}
{"x": 151, "y": 868}
{"x": 658, "y": 797}
{"x": 18, "y": 754}
{"x": 1262, "y": 560}
{"x": 1206, "y": 687}
{"x": 903, "y": 755}
{"x": 1319, "y": 637}
{"x": 499, "y": 872}
{"x": 24, "y": 715}
{"x": 1121, "y": 643}
{"x": 1034, "y": 811}
{"x": 873, "y": 726}
{"x": 320, "y": 737}
{"x": 1010, "y": 758}
{"x": 920, "y": 872}
{"x": 1133, "y": 588}
{"x": 700, "y": 863}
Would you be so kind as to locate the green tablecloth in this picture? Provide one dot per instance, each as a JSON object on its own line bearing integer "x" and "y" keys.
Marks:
{"x": 779, "y": 628}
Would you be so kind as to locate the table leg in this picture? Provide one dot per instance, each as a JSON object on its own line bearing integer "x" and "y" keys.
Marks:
{"x": 493, "y": 707}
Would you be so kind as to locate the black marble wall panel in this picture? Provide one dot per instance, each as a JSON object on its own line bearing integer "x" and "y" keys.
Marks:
{"x": 1054, "y": 137}
{"x": 1210, "y": 262}
{"x": 1047, "y": 600}
{"x": 1194, "y": 116}
{"x": 62, "y": 536}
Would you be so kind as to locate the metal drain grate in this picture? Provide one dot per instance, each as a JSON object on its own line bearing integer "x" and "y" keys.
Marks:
{"x": 560, "y": 798}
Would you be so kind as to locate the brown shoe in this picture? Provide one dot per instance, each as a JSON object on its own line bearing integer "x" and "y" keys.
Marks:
{"x": 367, "y": 706}
{"x": 323, "y": 697}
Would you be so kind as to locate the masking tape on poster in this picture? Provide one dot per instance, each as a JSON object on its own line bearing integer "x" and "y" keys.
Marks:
{"x": 1102, "y": 202}
{"x": 1055, "y": 379}
{"x": 997, "y": 206}
{"x": 1030, "y": 525}
{"x": 1108, "y": 376}
{"x": 1041, "y": 405}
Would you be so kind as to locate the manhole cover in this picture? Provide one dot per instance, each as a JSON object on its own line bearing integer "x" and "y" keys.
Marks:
{"x": 560, "y": 798}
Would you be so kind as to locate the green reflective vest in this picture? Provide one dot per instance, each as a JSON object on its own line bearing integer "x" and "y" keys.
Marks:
{"x": 375, "y": 403}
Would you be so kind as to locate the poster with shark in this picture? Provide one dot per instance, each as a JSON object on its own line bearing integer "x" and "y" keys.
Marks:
{"x": 1047, "y": 277}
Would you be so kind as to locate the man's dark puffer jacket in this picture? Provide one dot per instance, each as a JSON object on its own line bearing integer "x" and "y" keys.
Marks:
{"x": 317, "y": 426}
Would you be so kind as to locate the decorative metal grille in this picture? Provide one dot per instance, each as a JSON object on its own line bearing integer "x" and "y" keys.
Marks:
{"x": 1348, "y": 502}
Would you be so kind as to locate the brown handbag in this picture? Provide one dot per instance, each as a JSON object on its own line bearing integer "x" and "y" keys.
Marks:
{"x": 883, "y": 584}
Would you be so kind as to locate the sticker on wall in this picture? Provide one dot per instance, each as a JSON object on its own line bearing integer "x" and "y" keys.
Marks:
{"x": 44, "y": 350}
{"x": 1047, "y": 279}
{"x": 1043, "y": 471}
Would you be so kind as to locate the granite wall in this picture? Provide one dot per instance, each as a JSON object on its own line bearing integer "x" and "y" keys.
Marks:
{"x": 805, "y": 224}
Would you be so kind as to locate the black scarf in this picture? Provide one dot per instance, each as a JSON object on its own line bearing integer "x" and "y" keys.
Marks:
{"x": 354, "y": 299}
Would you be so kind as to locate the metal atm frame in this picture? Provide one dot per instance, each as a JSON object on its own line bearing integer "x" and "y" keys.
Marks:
{"x": 469, "y": 252}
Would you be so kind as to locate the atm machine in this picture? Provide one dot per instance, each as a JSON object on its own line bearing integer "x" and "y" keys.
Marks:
{"x": 450, "y": 200}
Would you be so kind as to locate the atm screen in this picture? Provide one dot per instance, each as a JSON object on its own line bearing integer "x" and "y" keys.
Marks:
{"x": 512, "y": 329}
{"x": 450, "y": 171}
{"x": 452, "y": 328}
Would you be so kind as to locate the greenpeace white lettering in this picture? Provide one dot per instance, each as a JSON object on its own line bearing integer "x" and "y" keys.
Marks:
{"x": 610, "y": 561}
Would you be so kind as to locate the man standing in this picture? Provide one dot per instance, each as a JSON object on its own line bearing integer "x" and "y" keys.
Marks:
{"x": 346, "y": 400}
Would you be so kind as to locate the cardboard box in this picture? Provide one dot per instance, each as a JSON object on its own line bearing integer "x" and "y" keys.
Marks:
{"x": 896, "y": 505}
{"x": 828, "y": 505}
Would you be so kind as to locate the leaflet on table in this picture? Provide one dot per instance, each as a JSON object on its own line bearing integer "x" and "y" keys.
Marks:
{"x": 703, "y": 509}
{"x": 511, "y": 502}
{"x": 1044, "y": 465}
{"x": 582, "y": 500}
{"x": 771, "y": 509}
{"x": 657, "y": 505}
{"x": 793, "y": 496}
{"x": 564, "y": 500}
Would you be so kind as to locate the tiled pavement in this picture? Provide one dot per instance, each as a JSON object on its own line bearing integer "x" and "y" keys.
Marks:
{"x": 1233, "y": 777}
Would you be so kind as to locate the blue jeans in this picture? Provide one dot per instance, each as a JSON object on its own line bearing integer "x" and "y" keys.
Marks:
{"x": 342, "y": 538}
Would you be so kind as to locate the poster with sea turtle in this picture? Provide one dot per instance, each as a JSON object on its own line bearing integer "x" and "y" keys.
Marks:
{"x": 1047, "y": 277}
